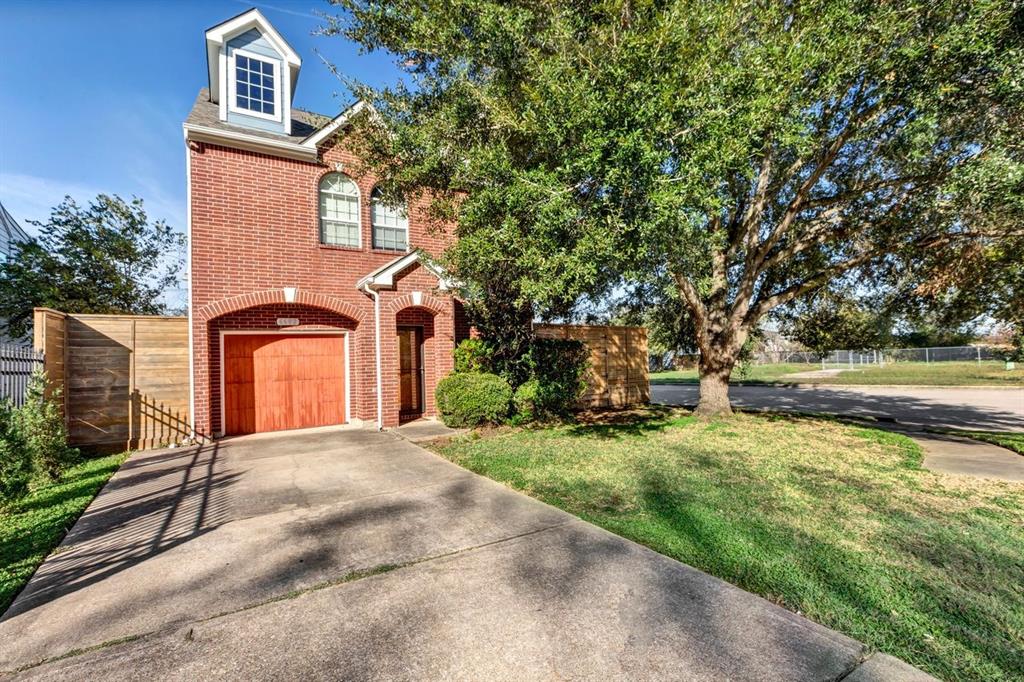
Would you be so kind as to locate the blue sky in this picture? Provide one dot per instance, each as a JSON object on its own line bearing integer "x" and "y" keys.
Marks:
{"x": 93, "y": 94}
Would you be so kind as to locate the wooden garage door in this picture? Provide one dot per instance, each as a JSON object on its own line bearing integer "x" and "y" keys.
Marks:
{"x": 283, "y": 381}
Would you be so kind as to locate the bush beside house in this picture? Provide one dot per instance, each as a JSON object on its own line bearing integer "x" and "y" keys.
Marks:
{"x": 473, "y": 398}
{"x": 478, "y": 393}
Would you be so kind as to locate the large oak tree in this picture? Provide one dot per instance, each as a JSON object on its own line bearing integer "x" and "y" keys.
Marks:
{"x": 752, "y": 152}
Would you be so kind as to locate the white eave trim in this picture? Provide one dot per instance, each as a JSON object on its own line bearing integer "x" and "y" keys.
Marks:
{"x": 338, "y": 121}
{"x": 252, "y": 143}
{"x": 384, "y": 276}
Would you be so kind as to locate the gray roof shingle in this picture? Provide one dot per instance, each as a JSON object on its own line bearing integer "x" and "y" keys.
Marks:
{"x": 207, "y": 114}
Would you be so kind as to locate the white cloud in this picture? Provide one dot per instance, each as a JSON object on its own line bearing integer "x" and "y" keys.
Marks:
{"x": 30, "y": 197}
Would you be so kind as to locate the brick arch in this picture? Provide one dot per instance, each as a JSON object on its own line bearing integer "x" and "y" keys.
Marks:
{"x": 235, "y": 303}
{"x": 432, "y": 303}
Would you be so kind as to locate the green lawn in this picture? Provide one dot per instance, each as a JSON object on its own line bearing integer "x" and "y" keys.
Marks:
{"x": 900, "y": 373}
{"x": 31, "y": 527}
{"x": 1010, "y": 441}
{"x": 837, "y": 522}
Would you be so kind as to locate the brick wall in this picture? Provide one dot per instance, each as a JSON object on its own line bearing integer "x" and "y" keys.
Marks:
{"x": 255, "y": 230}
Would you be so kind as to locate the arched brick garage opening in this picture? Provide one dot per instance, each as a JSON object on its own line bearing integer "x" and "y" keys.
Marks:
{"x": 280, "y": 366}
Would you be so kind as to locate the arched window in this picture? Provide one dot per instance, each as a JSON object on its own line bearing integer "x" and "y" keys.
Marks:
{"x": 339, "y": 210}
{"x": 390, "y": 223}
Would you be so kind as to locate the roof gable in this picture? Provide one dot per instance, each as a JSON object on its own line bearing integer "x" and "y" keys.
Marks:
{"x": 385, "y": 275}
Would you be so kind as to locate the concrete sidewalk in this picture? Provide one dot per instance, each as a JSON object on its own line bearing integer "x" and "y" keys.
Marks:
{"x": 358, "y": 555}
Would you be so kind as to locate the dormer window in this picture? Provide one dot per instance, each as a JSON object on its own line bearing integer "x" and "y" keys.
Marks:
{"x": 255, "y": 86}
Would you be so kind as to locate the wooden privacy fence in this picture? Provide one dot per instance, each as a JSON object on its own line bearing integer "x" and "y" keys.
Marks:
{"x": 16, "y": 366}
{"x": 124, "y": 378}
{"x": 618, "y": 362}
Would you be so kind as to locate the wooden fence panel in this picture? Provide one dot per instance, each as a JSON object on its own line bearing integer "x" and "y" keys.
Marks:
{"x": 617, "y": 376}
{"x": 125, "y": 378}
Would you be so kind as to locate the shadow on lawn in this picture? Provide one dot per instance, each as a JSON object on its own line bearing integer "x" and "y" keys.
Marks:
{"x": 949, "y": 601}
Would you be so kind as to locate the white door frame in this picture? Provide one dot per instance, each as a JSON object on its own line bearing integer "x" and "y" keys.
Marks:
{"x": 268, "y": 332}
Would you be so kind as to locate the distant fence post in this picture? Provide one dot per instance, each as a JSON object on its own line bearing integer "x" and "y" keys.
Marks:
{"x": 16, "y": 366}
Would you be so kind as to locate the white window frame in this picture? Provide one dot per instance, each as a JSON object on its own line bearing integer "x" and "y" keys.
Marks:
{"x": 373, "y": 226}
{"x": 233, "y": 85}
{"x": 359, "y": 213}
{"x": 309, "y": 332}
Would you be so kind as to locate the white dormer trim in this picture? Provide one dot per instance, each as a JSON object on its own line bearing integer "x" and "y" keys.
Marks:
{"x": 216, "y": 59}
{"x": 384, "y": 276}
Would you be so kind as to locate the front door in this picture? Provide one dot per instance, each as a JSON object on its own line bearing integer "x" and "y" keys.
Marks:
{"x": 410, "y": 372}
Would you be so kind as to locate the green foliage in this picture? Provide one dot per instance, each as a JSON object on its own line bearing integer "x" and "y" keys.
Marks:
{"x": 32, "y": 526}
{"x": 750, "y": 153}
{"x": 43, "y": 429}
{"x": 831, "y": 321}
{"x": 526, "y": 402}
{"x": 104, "y": 258}
{"x": 473, "y": 398}
{"x": 15, "y": 457}
{"x": 496, "y": 309}
{"x": 472, "y": 355}
{"x": 557, "y": 369}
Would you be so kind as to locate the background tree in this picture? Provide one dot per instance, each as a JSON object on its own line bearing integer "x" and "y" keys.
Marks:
{"x": 754, "y": 152}
{"x": 104, "y": 258}
{"x": 830, "y": 321}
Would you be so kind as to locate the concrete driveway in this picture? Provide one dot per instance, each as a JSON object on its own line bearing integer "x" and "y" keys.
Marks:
{"x": 986, "y": 409}
{"x": 358, "y": 555}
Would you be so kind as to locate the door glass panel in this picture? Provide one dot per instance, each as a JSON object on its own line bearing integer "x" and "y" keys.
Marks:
{"x": 410, "y": 371}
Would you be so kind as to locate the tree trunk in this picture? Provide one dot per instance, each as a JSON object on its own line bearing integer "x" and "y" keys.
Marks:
{"x": 714, "y": 386}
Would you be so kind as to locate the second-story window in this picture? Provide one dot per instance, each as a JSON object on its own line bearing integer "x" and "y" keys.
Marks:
{"x": 255, "y": 86}
{"x": 339, "y": 210}
{"x": 390, "y": 223}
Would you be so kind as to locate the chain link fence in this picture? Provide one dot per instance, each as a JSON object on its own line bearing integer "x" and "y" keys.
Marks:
{"x": 838, "y": 359}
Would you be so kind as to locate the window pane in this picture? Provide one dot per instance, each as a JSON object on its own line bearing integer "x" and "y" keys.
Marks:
{"x": 268, "y": 68}
{"x": 268, "y": 81}
{"x": 242, "y": 102}
{"x": 268, "y": 95}
{"x": 268, "y": 108}
{"x": 242, "y": 61}
{"x": 390, "y": 224}
{"x": 243, "y": 89}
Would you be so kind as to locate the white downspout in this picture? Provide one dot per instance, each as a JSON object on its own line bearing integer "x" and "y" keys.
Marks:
{"x": 376, "y": 342}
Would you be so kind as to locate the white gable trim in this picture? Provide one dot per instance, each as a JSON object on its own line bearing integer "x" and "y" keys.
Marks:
{"x": 337, "y": 122}
{"x": 384, "y": 276}
{"x": 217, "y": 36}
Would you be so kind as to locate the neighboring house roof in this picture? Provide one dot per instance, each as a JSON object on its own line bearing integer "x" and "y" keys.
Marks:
{"x": 10, "y": 232}
{"x": 308, "y": 129}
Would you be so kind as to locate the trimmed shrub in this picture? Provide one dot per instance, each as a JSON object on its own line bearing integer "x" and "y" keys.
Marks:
{"x": 473, "y": 398}
{"x": 15, "y": 458}
{"x": 525, "y": 402}
{"x": 43, "y": 431}
{"x": 472, "y": 355}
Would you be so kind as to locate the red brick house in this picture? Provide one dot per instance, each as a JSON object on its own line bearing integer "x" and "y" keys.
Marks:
{"x": 310, "y": 302}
